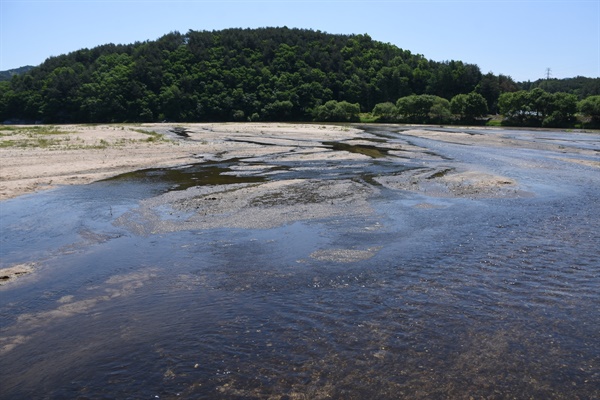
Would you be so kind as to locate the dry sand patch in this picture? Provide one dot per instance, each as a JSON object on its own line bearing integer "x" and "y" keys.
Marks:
{"x": 451, "y": 181}
{"x": 34, "y": 158}
{"x": 13, "y": 272}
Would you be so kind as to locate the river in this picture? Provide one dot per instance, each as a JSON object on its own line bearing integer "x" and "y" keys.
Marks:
{"x": 421, "y": 294}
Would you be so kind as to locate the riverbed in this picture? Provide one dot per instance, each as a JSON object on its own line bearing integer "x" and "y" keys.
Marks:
{"x": 390, "y": 262}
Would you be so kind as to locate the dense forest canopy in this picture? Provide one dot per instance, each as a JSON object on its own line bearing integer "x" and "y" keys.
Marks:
{"x": 265, "y": 74}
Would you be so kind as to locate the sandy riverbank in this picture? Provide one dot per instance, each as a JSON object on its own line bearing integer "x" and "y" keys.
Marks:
{"x": 34, "y": 158}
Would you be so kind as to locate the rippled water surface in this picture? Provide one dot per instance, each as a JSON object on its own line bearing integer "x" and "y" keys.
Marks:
{"x": 426, "y": 297}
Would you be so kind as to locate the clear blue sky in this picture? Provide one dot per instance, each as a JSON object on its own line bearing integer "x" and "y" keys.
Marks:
{"x": 520, "y": 38}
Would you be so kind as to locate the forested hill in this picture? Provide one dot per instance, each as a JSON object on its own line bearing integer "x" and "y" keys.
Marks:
{"x": 580, "y": 86}
{"x": 8, "y": 74}
{"x": 236, "y": 74}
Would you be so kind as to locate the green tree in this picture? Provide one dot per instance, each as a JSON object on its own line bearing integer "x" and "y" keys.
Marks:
{"x": 277, "y": 111}
{"x": 489, "y": 88}
{"x": 423, "y": 108}
{"x": 452, "y": 78}
{"x": 469, "y": 107}
{"x": 415, "y": 108}
{"x": 515, "y": 106}
{"x": 477, "y": 106}
{"x": 590, "y": 107}
{"x": 561, "y": 111}
{"x": 440, "y": 111}
{"x": 458, "y": 106}
{"x": 387, "y": 112}
{"x": 540, "y": 103}
{"x": 334, "y": 111}
{"x": 538, "y": 108}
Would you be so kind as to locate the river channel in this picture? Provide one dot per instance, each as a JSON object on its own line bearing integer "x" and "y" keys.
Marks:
{"x": 458, "y": 263}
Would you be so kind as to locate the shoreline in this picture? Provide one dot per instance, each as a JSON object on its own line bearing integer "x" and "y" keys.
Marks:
{"x": 34, "y": 158}
{"x": 38, "y": 158}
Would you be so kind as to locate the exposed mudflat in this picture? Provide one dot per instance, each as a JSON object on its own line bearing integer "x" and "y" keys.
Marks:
{"x": 250, "y": 206}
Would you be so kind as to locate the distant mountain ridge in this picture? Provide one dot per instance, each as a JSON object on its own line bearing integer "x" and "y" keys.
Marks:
{"x": 9, "y": 73}
{"x": 580, "y": 86}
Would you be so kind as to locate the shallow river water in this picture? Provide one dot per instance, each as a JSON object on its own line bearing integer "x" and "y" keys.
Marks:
{"x": 428, "y": 297}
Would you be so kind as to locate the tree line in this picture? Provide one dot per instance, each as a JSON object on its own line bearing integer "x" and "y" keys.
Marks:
{"x": 267, "y": 74}
{"x": 535, "y": 108}
{"x": 466, "y": 108}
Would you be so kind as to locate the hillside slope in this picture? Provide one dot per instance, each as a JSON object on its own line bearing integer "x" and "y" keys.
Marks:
{"x": 8, "y": 74}
{"x": 236, "y": 74}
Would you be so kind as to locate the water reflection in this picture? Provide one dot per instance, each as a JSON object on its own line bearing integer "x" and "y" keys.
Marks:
{"x": 188, "y": 176}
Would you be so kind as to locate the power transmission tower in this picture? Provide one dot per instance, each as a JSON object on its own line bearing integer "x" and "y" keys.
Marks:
{"x": 548, "y": 73}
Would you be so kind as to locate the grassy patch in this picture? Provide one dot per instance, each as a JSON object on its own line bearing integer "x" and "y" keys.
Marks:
{"x": 10, "y": 143}
{"x": 494, "y": 122}
{"x": 31, "y": 130}
{"x": 39, "y": 130}
{"x": 52, "y": 138}
{"x": 36, "y": 136}
{"x": 14, "y": 130}
{"x": 153, "y": 136}
{"x": 42, "y": 143}
{"x": 367, "y": 118}
{"x": 43, "y": 130}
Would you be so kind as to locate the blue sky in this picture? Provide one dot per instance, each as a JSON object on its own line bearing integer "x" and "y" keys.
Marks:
{"x": 518, "y": 38}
